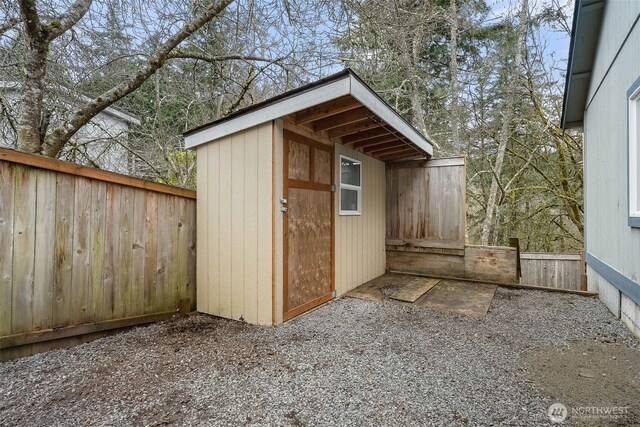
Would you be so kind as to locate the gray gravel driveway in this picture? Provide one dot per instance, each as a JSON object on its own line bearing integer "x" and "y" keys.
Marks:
{"x": 350, "y": 362}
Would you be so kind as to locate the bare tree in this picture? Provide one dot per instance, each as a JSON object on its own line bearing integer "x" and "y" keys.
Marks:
{"x": 453, "y": 72}
{"x": 32, "y": 128}
{"x": 507, "y": 115}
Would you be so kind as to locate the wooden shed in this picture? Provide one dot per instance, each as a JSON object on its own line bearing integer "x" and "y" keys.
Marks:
{"x": 291, "y": 198}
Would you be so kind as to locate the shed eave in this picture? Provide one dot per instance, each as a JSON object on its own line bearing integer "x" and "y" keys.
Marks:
{"x": 342, "y": 84}
{"x": 271, "y": 111}
{"x": 374, "y": 103}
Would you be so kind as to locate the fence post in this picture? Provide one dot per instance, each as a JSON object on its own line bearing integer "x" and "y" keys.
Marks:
{"x": 514, "y": 242}
{"x": 583, "y": 272}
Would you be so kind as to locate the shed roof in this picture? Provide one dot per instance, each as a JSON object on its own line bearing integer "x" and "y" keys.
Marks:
{"x": 341, "y": 105}
{"x": 587, "y": 20}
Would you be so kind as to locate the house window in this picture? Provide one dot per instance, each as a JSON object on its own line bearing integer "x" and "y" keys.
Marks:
{"x": 634, "y": 154}
{"x": 350, "y": 186}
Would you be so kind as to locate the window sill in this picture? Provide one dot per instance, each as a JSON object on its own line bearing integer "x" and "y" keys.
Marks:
{"x": 634, "y": 221}
{"x": 348, "y": 213}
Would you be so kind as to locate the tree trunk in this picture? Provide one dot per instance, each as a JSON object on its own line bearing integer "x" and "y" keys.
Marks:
{"x": 32, "y": 134}
{"x": 453, "y": 71}
{"x": 35, "y": 69}
{"x": 513, "y": 79}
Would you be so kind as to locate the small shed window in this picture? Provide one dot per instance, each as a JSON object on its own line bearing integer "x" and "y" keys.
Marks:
{"x": 350, "y": 186}
{"x": 634, "y": 154}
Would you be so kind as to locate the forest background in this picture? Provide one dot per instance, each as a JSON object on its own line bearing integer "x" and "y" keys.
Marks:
{"x": 483, "y": 78}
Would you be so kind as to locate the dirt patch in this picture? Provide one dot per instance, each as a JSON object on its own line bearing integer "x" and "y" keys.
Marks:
{"x": 590, "y": 374}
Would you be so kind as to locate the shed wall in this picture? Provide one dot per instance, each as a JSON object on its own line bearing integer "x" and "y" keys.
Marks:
{"x": 608, "y": 237}
{"x": 360, "y": 240}
{"x": 234, "y": 259}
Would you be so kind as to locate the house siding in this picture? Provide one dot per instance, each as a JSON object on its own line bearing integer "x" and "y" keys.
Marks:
{"x": 360, "y": 239}
{"x": 608, "y": 238}
{"x": 234, "y": 220}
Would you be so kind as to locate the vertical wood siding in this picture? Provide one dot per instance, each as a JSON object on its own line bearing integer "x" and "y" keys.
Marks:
{"x": 80, "y": 249}
{"x": 234, "y": 265}
{"x": 359, "y": 242}
{"x": 607, "y": 234}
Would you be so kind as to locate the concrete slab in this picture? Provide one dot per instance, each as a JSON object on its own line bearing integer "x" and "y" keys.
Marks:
{"x": 471, "y": 299}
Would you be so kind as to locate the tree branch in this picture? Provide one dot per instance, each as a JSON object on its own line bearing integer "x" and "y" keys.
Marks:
{"x": 58, "y": 26}
{"x": 59, "y": 136}
{"x": 181, "y": 54}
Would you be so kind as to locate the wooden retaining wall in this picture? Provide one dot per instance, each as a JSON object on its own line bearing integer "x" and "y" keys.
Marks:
{"x": 494, "y": 264}
{"x": 85, "y": 251}
{"x": 553, "y": 270}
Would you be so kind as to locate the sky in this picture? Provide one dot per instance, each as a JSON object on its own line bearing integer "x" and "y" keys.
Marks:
{"x": 558, "y": 41}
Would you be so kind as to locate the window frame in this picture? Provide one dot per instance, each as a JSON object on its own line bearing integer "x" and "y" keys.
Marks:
{"x": 633, "y": 154}
{"x": 357, "y": 188}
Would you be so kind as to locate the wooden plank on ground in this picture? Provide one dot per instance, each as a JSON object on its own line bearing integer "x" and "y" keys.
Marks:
{"x": 414, "y": 289}
{"x": 471, "y": 299}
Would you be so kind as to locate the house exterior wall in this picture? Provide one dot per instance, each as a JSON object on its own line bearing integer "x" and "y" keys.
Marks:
{"x": 360, "y": 239}
{"x": 234, "y": 220}
{"x": 612, "y": 247}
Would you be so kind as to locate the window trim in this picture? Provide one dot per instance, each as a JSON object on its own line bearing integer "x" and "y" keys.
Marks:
{"x": 357, "y": 188}
{"x": 633, "y": 147}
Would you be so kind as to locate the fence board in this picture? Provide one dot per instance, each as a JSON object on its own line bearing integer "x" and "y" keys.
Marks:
{"x": 111, "y": 247}
{"x": 24, "y": 233}
{"x": 81, "y": 255}
{"x": 43, "y": 290}
{"x": 123, "y": 286}
{"x": 98, "y": 217}
{"x": 425, "y": 203}
{"x": 552, "y": 270}
{"x": 150, "y": 253}
{"x": 93, "y": 252}
{"x": 6, "y": 244}
{"x": 63, "y": 244}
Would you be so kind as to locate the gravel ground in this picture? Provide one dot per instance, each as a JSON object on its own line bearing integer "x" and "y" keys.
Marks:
{"x": 350, "y": 362}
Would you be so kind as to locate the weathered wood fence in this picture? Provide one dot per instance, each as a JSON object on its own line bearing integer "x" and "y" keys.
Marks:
{"x": 553, "y": 270}
{"x": 426, "y": 225}
{"x": 84, "y": 250}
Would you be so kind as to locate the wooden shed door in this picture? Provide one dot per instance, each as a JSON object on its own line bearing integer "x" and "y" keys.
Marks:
{"x": 308, "y": 224}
